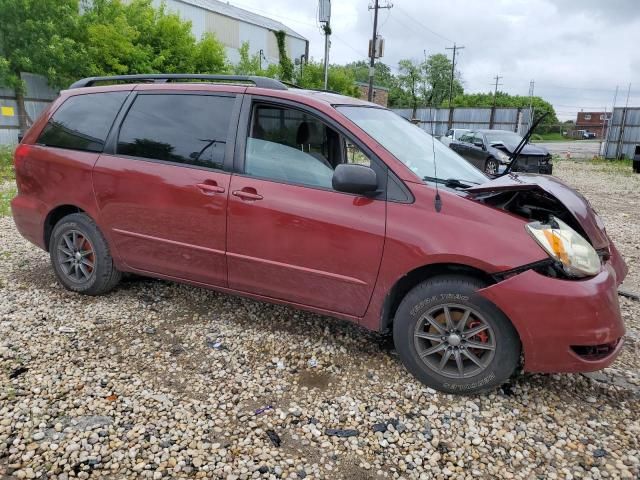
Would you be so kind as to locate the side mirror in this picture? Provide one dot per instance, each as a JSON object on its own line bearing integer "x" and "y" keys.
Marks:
{"x": 478, "y": 144}
{"x": 352, "y": 178}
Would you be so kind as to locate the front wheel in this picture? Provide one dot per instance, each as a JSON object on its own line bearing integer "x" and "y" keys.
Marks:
{"x": 454, "y": 340}
{"x": 491, "y": 166}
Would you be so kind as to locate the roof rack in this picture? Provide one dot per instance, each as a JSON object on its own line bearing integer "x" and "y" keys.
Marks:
{"x": 261, "y": 82}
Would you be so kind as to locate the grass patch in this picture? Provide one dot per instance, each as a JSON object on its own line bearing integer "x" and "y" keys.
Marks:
{"x": 6, "y": 195}
{"x": 549, "y": 137}
{"x": 623, "y": 165}
{"x": 7, "y": 180}
{"x": 7, "y": 172}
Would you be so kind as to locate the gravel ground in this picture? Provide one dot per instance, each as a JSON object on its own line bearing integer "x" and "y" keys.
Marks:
{"x": 160, "y": 380}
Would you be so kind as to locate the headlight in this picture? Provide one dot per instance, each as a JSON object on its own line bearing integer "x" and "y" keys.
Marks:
{"x": 564, "y": 244}
{"x": 502, "y": 157}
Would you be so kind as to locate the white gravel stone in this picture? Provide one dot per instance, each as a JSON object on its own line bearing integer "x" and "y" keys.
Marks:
{"x": 138, "y": 389}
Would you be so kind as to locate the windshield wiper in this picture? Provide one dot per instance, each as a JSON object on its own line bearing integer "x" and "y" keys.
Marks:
{"x": 450, "y": 182}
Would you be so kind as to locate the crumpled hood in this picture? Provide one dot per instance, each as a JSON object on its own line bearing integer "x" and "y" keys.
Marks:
{"x": 527, "y": 150}
{"x": 573, "y": 201}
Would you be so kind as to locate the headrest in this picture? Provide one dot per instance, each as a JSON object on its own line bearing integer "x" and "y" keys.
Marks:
{"x": 309, "y": 133}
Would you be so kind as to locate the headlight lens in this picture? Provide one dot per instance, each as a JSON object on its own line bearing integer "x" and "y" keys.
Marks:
{"x": 564, "y": 244}
{"x": 502, "y": 157}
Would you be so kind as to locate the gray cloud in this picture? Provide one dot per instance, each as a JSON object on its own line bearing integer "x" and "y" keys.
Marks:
{"x": 577, "y": 51}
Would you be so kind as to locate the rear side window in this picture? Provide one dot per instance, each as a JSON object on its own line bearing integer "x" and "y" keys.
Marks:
{"x": 83, "y": 121}
{"x": 189, "y": 129}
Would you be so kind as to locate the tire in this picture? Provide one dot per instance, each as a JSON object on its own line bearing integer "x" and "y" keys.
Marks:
{"x": 458, "y": 294}
{"x": 491, "y": 166}
{"x": 91, "y": 273}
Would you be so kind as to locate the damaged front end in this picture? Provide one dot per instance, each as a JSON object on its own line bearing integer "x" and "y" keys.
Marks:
{"x": 565, "y": 325}
{"x": 547, "y": 202}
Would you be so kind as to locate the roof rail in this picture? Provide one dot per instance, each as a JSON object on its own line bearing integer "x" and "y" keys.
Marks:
{"x": 261, "y": 82}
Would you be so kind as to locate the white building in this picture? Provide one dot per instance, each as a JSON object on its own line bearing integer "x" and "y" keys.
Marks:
{"x": 233, "y": 26}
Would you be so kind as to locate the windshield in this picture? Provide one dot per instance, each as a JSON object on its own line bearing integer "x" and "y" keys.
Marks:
{"x": 503, "y": 137}
{"x": 411, "y": 145}
{"x": 460, "y": 132}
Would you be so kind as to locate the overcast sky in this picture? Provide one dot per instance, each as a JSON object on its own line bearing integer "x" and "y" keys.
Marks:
{"x": 576, "y": 51}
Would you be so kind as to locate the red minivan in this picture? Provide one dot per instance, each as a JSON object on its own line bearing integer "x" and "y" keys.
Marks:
{"x": 325, "y": 203}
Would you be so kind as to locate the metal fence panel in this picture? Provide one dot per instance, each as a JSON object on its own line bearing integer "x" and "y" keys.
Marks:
{"x": 8, "y": 113}
{"x": 37, "y": 87}
{"x": 437, "y": 120}
{"x": 624, "y": 133}
{"x": 35, "y": 108}
{"x": 8, "y": 137}
{"x": 38, "y": 94}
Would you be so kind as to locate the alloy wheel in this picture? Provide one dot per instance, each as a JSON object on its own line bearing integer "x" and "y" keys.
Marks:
{"x": 455, "y": 341}
{"x": 76, "y": 256}
{"x": 492, "y": 167}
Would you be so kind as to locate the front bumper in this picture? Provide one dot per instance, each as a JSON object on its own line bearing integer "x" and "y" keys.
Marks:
{"x": 554, "y": 316}
{"x": 543, "y": 168}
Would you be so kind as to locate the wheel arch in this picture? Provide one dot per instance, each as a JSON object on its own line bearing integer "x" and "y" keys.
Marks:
{"x": 418, "y": 275}
{"x": 54, "y": 216}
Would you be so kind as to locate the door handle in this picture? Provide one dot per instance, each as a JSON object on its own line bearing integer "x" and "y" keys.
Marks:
{"x": 210, "y": 188}
{"x": 247, "y": 194}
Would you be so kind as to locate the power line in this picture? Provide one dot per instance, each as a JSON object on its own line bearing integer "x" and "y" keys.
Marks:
{"x": 424, "y": 26}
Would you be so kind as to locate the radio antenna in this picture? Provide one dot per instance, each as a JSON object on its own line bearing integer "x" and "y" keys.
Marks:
{"x": 438, "y": 200}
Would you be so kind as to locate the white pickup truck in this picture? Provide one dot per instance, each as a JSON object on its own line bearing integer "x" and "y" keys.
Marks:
{"x": 453, "y": 134}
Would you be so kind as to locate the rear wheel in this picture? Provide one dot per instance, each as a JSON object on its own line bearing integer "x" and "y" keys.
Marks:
{"x": 454, "y": 340}
{"x": 491, "y": 166}
{"x": 80, "y": 256}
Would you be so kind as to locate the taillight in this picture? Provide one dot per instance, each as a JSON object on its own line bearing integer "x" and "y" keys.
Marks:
{"x": 19, "y": 160}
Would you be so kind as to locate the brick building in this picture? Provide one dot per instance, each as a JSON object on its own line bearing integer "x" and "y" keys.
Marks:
{"x": 593, "y": 122}
{"x": 380, "y": 94}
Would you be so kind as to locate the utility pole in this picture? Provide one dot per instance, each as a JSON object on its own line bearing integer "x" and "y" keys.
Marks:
{"x": 455, "y": 48}
{"x": 372, "y": 68}
{"x": 532, "y": 85}
{"x": 495, "y": 98}
{"x": 424, "y": 81}
{"x": 327, "y": 44}
{"x": 497, "y": 78}
{"x": 324, "y": 17}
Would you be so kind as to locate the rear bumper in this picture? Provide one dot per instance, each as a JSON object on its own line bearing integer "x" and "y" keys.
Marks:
{"x": 28, "y": 215}
{"x": 554, "y": 316}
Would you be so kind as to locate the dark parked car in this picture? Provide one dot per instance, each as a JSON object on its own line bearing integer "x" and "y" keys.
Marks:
{"x": 489, "y": 150}
{"x": 325, "y": 203}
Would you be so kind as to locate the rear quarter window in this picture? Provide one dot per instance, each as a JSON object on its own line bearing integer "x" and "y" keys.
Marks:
{"x": 189, "y": 129}
{"x": 83, "y": 122}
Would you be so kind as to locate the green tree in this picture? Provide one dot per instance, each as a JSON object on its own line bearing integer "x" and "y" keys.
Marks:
{"x": 137, "y": 38}
{"x": 341, "y": 78}
{"x": 504, "y": 100}
{"x": 437, "y": 79}
{"x": 210, "y": 56}
{"x": 410, "y": 78}
{"x": 382, "y": 76}
{"x": 38, "y": 36}
{"x": 248, "y": 65}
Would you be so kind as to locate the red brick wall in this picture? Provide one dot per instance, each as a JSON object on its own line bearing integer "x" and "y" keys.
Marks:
{"x": 380, "y": 96}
